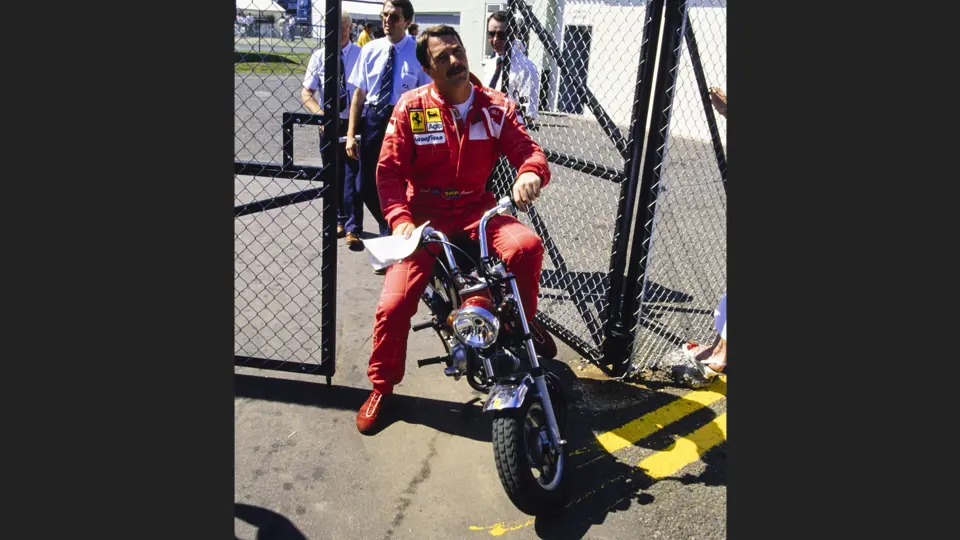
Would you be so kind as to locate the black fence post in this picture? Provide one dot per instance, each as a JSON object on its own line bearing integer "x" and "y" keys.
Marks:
{"x": 669, "y": 58}
{"x": 333, "y": 177}
{"x": 614, "y": 331}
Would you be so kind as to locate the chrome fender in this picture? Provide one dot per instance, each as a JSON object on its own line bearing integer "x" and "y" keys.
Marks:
{"x": 508, "y": 396}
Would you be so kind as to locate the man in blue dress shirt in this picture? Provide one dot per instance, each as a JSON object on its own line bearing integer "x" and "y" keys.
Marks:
{"x": 387, "y": 68}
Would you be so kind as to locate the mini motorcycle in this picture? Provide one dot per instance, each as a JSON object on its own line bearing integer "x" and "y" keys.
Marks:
{"x": 477, "y": 313}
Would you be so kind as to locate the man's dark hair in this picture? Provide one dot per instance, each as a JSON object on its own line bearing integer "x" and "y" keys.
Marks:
{"x": 499, "y": 16}
{"x": 413, "y": 27}
{"x": 368, "y": 26}
{"x": 403, "y": 5}
{"x": 434, "y": 31}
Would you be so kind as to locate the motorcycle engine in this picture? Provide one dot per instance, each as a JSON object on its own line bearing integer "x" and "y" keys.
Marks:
{"x": 458, "y": 352}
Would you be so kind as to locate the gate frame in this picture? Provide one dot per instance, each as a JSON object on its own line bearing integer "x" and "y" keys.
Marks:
{"x": 644, "y": 153}
{"x": 328, "y": 252}
{"x": 633, "y": 310}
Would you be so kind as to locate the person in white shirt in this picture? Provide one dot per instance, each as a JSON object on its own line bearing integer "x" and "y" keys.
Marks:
{"x": 387, "y": 68}
{"x": 523, "y": 79}
{"x": 347, "y": 194}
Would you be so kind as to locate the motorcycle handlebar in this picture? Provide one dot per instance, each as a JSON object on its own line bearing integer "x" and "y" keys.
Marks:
{"x": 504, "y": 204}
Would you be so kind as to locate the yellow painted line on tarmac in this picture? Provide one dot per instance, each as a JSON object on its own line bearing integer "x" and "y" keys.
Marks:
{"x": 500, "y": 529}
{"x": 655, "y": 420}
{"x": 686, "y": 449}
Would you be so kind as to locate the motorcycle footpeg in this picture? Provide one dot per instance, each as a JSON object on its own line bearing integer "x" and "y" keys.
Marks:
{"x": 431, "y": 361}
{"x": 452, "y": 371}
{"x": 424, "y": 325}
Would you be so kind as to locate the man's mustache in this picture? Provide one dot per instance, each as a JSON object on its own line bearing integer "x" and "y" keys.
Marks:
{"x": 456, "y": 71}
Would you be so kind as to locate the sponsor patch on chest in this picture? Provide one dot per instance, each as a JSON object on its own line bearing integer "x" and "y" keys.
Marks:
{"x": 430, "y": 138}
{"x": 417, "y": 123}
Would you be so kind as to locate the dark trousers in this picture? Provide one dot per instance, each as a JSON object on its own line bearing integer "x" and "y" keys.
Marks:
{"x": 372, "y": 130}
{"x": 351, "y": 172}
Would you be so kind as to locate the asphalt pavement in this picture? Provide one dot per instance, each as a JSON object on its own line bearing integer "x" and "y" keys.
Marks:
{"x": 649, "y": 459}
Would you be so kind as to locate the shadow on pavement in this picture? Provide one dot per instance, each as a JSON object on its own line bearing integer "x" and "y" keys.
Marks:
{"x": 459, "y": 419}
{"x": 601, "y": 483}
{"x": 270, "y": 525}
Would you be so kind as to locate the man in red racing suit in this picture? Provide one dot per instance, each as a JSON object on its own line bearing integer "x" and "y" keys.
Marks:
{"x": 440, "y": 147}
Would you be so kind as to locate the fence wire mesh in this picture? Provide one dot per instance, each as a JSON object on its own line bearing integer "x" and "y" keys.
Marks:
{"x": 686, "y": 260}
{"x": 586, "y": 75}
{"x": 574, "y": 70}
{"x": 278, "y": 252}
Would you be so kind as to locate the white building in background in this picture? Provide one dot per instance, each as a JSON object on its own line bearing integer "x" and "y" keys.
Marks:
{"x": 261, "y": 9}
{"x": 602, "y": 36}
{"x": 605, "y": 36}
{"x": 467, "y": 16}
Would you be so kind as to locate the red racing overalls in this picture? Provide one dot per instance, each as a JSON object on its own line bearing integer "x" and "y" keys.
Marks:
{"x": 434, "y": 168}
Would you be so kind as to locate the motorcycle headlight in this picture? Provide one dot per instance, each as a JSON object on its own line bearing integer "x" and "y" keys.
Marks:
{"x": 475, "y": 323}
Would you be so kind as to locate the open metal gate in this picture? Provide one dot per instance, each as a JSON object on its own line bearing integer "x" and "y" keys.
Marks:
{"x": 633, "y": 222}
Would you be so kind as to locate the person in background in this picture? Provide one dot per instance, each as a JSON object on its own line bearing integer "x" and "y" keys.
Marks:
{"x": 523, "y": 79}
{"x": 699, "y": 364}
{"x": 366, "y": 36}
{"x": 414, "y": 30}
{"x": 386, "y": 69}
{"x": 347, "y": 193}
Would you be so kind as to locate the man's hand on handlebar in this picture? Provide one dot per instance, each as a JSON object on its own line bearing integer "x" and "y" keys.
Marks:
{"x": 526, "y": 190}
{"x": 404, "y": 229}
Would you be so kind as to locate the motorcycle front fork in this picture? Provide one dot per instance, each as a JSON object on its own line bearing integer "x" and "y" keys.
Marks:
{"x": 536, "y": 372}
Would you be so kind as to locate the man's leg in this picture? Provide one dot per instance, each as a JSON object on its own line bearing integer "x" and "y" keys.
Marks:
{"x": 715, "y": 357}
{"x": 404, "y": 283}
{"x": 352, "y": 201}
{"x": 370, "y": 143}
{"x": 399, "y": 300}
{"x": 522, "y": 252}
{"x": 341, "y": 184}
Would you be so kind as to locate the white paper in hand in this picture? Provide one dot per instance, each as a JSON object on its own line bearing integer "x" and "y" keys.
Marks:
{"x": 387, "y": 250}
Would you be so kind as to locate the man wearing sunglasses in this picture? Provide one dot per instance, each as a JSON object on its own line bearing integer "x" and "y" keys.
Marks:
{"x": 523, "y": 79}
{"x": 387, "y": 68}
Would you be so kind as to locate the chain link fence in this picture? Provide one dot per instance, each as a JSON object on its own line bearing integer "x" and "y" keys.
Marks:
{"x": 587, "y": 94}
{"x": 633, "y": 221}
{"x": 680, "y": 241}
{"x": 285, "y": 222}
{"x": 595, "y": 62}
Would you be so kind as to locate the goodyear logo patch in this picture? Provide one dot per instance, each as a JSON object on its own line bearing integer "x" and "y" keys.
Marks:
{"x": 417, "y": 123}
{"x": 430, "y": 138}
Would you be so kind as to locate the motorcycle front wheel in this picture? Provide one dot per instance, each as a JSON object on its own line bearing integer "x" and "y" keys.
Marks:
{"x": 532, "y": 473}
